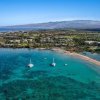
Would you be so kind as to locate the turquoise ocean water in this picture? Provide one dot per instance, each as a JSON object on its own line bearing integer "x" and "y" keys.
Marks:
{"x": 79, "y": 80}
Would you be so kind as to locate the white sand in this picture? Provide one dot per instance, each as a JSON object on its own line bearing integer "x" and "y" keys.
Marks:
{"x": 78, "y": 55}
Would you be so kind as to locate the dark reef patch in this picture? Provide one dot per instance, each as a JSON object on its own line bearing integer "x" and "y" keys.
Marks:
{"x": 35, "y": 74}
{"x": 50, "y": 88}
{"x": 5, "y": 73}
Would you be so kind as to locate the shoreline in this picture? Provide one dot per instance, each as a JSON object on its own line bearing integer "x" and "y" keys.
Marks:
{"x": 74, "y": 54}
{"x": 86, "y": 58}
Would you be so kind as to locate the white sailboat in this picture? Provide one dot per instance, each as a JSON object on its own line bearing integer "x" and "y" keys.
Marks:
{"x": 66, "y": 64}
{"x": 53, "y": 63}
{"x": 30, "y": 64}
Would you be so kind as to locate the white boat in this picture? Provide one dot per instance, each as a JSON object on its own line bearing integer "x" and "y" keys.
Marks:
{"x": 30, "y": 64}
{"x": 53, "y": 63}
{"x": 45, "y": 58}
{"x": 66, "y": 64}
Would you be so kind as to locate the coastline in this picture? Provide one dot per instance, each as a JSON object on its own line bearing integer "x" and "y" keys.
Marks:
{"x": 86, "y": 58}
{"x": 74, "y": 54}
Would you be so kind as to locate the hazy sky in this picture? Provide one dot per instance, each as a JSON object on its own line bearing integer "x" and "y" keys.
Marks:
{"x": 14, "y": 12}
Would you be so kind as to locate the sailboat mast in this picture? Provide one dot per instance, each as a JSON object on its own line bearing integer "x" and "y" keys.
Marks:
{"x": 53, "y": 60}
{"x": 30, "y": 61}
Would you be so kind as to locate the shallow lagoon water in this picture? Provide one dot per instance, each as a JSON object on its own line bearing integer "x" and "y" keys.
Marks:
{"x": 79, "y": 80}
{"x": 95, "y": 56}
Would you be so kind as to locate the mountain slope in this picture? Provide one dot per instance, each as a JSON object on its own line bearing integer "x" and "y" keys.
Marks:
{"x": 76, "y": 24}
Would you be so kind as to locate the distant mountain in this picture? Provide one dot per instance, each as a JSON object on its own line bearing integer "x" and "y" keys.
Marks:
{"x": 75, "y": 24}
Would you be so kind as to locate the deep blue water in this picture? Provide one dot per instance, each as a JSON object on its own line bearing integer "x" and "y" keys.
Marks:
{"x": 79, "y": 80}
{"x": 16, "y": 29}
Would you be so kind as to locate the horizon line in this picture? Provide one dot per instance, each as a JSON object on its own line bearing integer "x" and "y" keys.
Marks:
{"x": 48, "y": 22}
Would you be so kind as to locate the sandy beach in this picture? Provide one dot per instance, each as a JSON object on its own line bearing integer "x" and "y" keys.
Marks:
{"x": 78, "y": 56}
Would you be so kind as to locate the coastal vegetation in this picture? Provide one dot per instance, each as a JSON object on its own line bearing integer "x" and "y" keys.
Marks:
{"x": 72, "y": 40}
